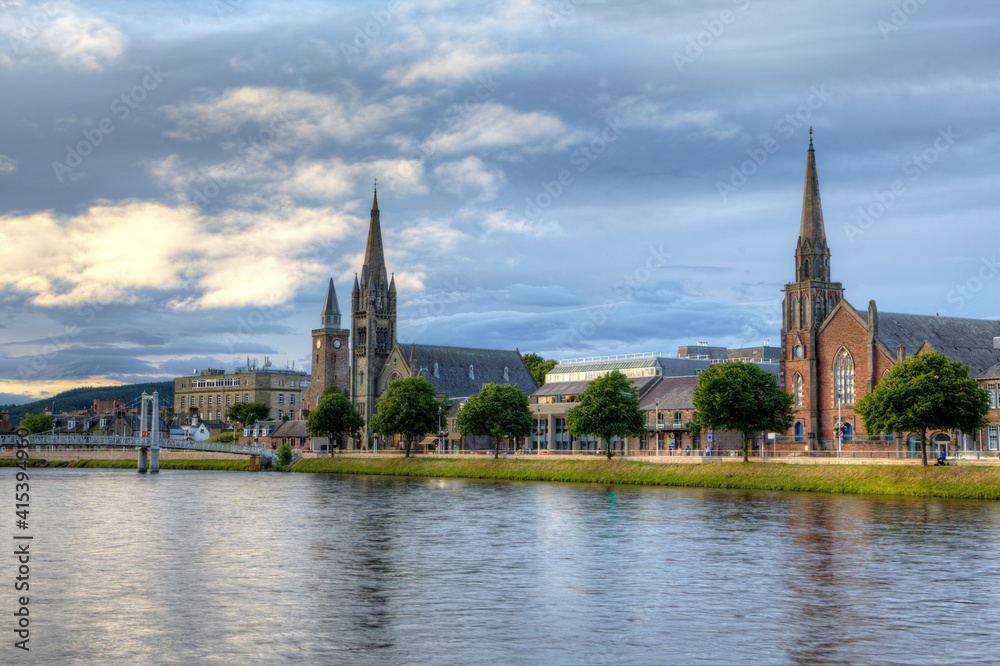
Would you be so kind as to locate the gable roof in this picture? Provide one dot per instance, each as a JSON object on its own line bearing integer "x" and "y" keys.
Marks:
{"x": 672, "y": 392}
{"x": 969, "y": 341}
{"x": 447, "y": 368}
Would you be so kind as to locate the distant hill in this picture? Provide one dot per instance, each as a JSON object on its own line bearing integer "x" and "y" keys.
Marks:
{"x": 83, "y": 398}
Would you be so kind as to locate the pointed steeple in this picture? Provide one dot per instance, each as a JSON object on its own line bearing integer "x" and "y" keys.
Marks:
{"x": 331, "y": 309}
{"x": 392, "y": 285}
{"x": 374, "y": 267}
{"x": 812, "y": 255}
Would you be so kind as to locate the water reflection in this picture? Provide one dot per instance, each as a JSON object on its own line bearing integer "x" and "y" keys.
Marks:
{"x": 258, "y": 568}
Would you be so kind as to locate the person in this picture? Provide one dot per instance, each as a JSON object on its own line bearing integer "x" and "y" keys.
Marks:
{"x": 687, "y": 451}
{"x": 942, "y": 455}
{"x": 708, "y": 450}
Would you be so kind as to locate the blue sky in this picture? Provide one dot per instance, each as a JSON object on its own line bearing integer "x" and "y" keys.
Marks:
{"x": 178, "y": 181}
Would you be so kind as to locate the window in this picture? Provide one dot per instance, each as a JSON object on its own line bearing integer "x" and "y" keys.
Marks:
{"x": 291, "y": 399}
{"x": 182, "y": 401}
{"x": 993, "y": 436}
{"x": 246, "y": 397}
{"x": 228, "y": 397}
{"x": 237, "y": 398}
{"x": 281, "y": 413}
{"x": 201, "y": 401}
{"x": 218, "y": 399}
{"x": 797, "y": 386}
{"x": 281, "y": 398}
{"x": 798, "y": 431}
{"x": 678, "y": 422}
{"x": 209, "y": 401}
{"x": 991, "y": 390}
{"x": 843, "y": 377}
{"x": 794, "y": 312}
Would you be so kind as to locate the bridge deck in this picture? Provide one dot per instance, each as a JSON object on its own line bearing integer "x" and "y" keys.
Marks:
{"x": 137, "y": 443}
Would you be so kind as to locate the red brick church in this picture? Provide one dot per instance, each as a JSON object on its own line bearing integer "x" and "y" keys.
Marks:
{"x": 833, "y": 353}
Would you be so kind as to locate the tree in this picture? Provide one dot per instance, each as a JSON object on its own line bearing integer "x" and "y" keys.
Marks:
{"x": 409, "y": 408}
{"x": 741, "y": 396}
{"x": 538, "y": 367}
{"x": 608, "y": 408}
{"x": 334, "y": 417}
{"x": 248, "y": 413}
{"x": 284, "y": 454}
{"x": 924, "y": 392}
{"x": 37, "y": 422}
{"x": 496, "y": 412}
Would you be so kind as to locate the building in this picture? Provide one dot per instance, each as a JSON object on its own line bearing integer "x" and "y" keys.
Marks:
{"x": 377, "y": 359}
{"x": 331, "y": 363}
{"x": 833, "y": 353}
{"x": 208, "y": 394}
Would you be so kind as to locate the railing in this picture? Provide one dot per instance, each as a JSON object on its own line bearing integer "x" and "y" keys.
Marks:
{"x": 136, "y": 442}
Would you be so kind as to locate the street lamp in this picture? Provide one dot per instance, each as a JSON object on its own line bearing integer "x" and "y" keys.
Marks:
{"x": 439, "y": 430}
{"x": 840, "y": 430}
{"x": 539, "y": 410}
{"x": 656, "y": 424}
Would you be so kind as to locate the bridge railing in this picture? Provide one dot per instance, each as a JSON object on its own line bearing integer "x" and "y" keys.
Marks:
{"x": 136, "y": 442}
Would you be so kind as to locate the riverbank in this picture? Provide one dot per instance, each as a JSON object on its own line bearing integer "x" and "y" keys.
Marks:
{"x": 241, "y": 465}
{"x": 915, "y": 481}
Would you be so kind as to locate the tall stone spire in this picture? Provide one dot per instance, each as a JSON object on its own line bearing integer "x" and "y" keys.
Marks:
{"x": 812, "y": 255}
{"x": 373, "y": 272}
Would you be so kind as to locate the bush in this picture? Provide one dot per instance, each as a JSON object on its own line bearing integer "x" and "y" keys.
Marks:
{"x": 284, "y": 454}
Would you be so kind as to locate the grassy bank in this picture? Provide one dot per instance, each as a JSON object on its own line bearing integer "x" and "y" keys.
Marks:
{"x": 954, "y": 482}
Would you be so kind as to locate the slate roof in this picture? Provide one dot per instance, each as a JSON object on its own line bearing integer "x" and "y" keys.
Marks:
{"x": 451, "y": 374}
{"x": 993, "y": 372}
{"x": 290, "y": 429}
{"x": 969, "y": 341}
{"x": 642, "y": 384}
{"x": 673, "y": 392}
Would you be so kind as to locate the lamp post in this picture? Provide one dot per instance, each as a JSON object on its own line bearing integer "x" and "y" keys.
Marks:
{"x": 539, "y": 411}
{"x": 656, "y": 424}
{"x": 440, "y": 446}
{"x": 840, "y": 430}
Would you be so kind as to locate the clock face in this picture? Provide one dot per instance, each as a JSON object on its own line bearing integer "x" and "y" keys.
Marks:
{"x": 336, "y": 344}
{"x": 319, "y": 343}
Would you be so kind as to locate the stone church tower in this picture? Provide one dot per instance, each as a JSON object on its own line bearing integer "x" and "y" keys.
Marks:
{"x": 331, "y": 358}
{"x": 807, "y": 302}
{"x": 373, "y": 322}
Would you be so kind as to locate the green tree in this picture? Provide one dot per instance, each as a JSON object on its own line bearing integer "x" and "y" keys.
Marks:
{"x": 608, "y": 408}
{"x": 538, "y": 367}
{"x": 496, "y": 412}
{"x": 742, "y": 397}
{"x": 334, "y": 417}
{"x": 248, "y": 413}
{"x": 37, "y": 422}
{"x": 284, "y": 454}
{"x": 924, "y": 392}
{"x": 409, "y": 408}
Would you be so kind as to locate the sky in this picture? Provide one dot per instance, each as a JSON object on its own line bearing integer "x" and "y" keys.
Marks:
{"x": 179, "y": 181}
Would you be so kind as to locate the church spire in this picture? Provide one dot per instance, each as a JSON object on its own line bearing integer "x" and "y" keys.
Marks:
{"x": 812, "y": 255}
{"x": 331, "y": 308}
{"x": 373, "y": 272}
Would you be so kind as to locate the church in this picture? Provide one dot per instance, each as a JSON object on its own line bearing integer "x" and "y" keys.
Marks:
{"x": 834, "y": 353}
{"x": 362, "y": 361}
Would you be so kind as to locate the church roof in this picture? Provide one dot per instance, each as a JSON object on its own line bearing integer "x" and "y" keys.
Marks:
{"x": 374, "y": 266}
{"x": 448, "y": 368}
{"x": 811, "y": 227}
{"x": 969, "y": 341}
{"x": 331, "y": 307}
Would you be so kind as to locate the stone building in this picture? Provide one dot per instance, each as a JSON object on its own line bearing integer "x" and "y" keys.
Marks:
{"x": 833, "y": 353}
{"x": 208, "y": 394}
{"x": 331, "y": 364}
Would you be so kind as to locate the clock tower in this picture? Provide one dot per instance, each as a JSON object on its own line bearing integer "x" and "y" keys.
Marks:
{"x": 330, "y": 357}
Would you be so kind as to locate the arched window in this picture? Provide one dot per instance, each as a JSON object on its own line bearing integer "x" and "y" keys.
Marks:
{"x": 793, "y": 312}
{"x": 843, "y": 377}
{"x": 848, "y": 429}
{"x": 805, "y": 269}
{"x": 797, "y": 387}
{"x": 798, "y": 431}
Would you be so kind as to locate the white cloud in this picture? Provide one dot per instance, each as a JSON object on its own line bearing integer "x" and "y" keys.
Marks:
{"x": 470, "y": 175}
{"x": 295, "y": 116}
{"x": 494, "y": 125}
{"x": 83, "y": 42}
{"x": 505, "y": 222}
{"x": 7, "y": 164}
{"x": 460, "y": 62}
{"x": 121, "y": 252}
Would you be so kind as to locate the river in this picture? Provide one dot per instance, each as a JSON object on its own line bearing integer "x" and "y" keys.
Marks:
{"x": 232, "y": 567}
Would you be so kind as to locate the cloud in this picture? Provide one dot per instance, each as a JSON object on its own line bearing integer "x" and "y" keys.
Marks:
{"x": 494, "y": 125}
{"x": 7, "y": 164}
{"x": 470, "y": 175}
{"x": 120, "y": 252}
{"x": 296, "y": 116}
{"x": 460, "y": 62}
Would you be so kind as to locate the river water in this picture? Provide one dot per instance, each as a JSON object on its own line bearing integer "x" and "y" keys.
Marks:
{"x": 232, "y": 567}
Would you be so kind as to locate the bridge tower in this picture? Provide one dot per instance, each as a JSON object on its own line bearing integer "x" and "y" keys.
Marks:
{"x": 150, "y": 431}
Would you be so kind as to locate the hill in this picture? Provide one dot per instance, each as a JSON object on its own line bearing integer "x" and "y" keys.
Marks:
{"x": 83, "y": 398}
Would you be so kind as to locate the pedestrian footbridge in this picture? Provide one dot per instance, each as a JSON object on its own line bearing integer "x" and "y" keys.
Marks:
{"x": 149, "y": 447}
